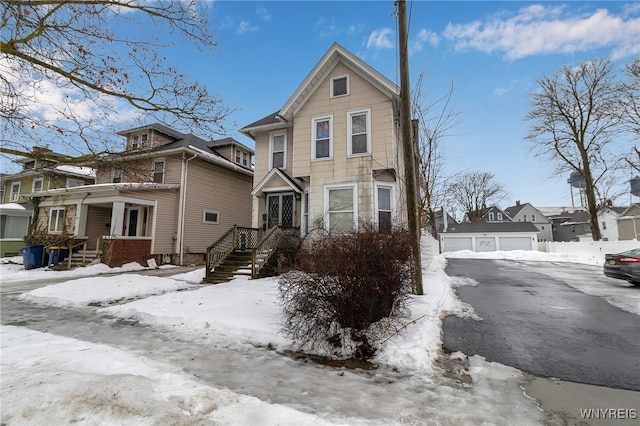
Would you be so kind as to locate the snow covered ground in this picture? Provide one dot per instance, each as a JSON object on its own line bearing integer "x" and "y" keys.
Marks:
{"x": 50, "y": 379}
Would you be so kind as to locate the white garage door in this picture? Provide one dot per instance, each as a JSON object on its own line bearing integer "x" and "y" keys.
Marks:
{"x": 515, "y": 243}
{"x": 456, "y": 243}
{"x": 485, "y": 243}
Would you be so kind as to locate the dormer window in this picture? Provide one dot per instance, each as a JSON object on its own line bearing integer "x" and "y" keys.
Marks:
{"x": 340, "y": 86}
{"x": 245, "y": 160}
{"x": 30, "y": 165}
{"x": 238, "y": 156}
{"x": 143, "y": 140}
{"x": 135, "y": 142}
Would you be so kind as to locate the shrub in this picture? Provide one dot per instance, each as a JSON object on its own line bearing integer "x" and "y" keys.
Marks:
{"x": 346, "y": 284}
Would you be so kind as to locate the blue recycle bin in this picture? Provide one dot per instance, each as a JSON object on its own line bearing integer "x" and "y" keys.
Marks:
{"x": 57, "y": 255}
{"x": 32, "y": 256}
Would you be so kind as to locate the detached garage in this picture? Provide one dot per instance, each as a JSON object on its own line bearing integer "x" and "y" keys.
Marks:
{"x": 489, "y": 236}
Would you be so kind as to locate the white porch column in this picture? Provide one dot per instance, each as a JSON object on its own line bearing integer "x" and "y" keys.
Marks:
{"x": 117, "y": 218}
{"x": 80, "y": 228}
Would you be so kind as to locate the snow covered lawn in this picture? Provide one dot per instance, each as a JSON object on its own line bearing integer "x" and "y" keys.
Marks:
{"x": 48, "y": 379}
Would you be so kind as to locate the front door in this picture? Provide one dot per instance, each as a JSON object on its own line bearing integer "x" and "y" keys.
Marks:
{"x": 134, "y": 222}
{"x": 280, "y": 210}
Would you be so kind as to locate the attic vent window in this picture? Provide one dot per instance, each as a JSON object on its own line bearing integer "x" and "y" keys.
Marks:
{"x": 340, "y": 86}
{"x": 29, "y": 165}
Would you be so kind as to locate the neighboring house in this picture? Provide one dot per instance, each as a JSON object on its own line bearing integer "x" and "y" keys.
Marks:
{"x": 629, "y": 223}
{"x": 491, "y": 214}
{"x": 41, "y": 172}
{"x": 14, "y": 222}
{"x": 168, "y": 196}
{"x": 608, "y": 221}
{"x": 332, "y": 154}
{"x": 441, "y": 223}
{"x": 484, "y": 236}
{"x": 527, "y": 213}
{"x": 571, "y": 226}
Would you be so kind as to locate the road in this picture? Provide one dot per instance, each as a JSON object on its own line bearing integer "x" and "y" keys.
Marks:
{"x": 535, "y": 320}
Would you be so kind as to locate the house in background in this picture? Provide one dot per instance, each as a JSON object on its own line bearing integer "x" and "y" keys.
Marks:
{"x": 491, "y": 214}
{"x": 332, "y": 152}
{"x": 167, "y": 197}
{"x": 527, "y": 213}
{"x": 571, "y": 226}
{"x": 629, "y": 223}
{"x": 41, "y": 171}
{"x": 608, "y": 221}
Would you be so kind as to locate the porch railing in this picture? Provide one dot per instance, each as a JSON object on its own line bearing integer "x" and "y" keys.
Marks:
{"x": 236, "y": 238}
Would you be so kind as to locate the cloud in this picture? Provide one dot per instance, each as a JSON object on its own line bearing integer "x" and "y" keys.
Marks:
{"x": 541, "y": 29}
{"x": 331, "y": 30}
{"x": 424, "y": 36}
{"x": 263, "y": 14}
{"x": 381, "y": 39}
{"x": 246, "y": 27}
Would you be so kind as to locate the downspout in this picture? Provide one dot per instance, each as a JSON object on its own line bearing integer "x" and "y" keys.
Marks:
{"x": 182, "y": 205}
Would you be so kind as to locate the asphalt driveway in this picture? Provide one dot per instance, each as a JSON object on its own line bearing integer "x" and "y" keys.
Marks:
{"x": 533, "y": 320}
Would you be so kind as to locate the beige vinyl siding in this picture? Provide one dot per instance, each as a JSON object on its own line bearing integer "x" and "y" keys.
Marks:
{"x": 98, "y": 225}
{"x": 263, "y": 151}
{"x": 141, "y": 170}
{"x": 212, "y": 188}
{"x": 166, "y": 215}
{"x": 342, "y": 169}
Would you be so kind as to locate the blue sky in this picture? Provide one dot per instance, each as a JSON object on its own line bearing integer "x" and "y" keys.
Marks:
{"x": 492, "y": 53}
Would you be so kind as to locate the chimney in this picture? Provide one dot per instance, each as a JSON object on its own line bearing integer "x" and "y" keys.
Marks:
{"x": 517, "y": 202}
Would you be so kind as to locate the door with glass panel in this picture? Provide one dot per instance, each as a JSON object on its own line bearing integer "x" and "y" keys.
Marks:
{"x": 280, "y": 210}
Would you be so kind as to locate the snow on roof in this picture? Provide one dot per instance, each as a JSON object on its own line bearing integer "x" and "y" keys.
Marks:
{"x": 220, "y": 160}
{"x": 78, "y": 170}
{"x": 12, "y": 206}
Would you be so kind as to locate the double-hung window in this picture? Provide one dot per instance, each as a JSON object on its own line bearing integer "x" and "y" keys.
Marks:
{"x": 158, "y": 171}
{"x": 56, "y": 220}
{"x": 359, "y": 132}
{"x": 322, "y": 137}
{"x": 277, "y": 150}
{"x": 341, "y": 207}
{"x": 384, "y": 205}
{"x": 38, "y": 184}
{"x": 15, "y": 192}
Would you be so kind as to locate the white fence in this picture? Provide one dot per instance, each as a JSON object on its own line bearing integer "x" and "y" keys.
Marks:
{"x": 590, "y": 249}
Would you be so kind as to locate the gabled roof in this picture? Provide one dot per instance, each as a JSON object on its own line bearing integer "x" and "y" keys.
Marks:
{"x": 229, "y": 141}
{"x": 291, "y": 184}
{"x": 336, "y": 54}
{"x": 467, "y": 227}
{"x": 331, "y": 58}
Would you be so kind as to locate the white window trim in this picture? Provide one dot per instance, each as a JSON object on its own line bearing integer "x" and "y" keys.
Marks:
{"x": 306, "y": 221}
{"x": 33, "y": 185}
{"x": 392, "y": 187}
{"x": 164, "y": 167}
{"x": 338, "y": 77}
{"x": 204, "y": 217}
{"x": 14, "y": 196}
{"x": 284, "y": 156}
{"x": 491, "y": 219}
{"x": 500, "y": 216}
{"x": 57, "y": 209}
{"x": 314, "y": 120}
{"x": 327, "y": 189}
{"x": 367, "y": 112}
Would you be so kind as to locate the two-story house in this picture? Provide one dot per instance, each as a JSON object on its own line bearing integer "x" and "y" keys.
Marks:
{"x": 40, "y": 171}
{"x": 571, "y": 226}
{"x": 168, "y": 196}
{"x": 608, "y": 220}
{"x": 331, "y": 156}
{"x": 528, "y": 213}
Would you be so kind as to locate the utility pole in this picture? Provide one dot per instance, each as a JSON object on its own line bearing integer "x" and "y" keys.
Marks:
{"x": 408, "y": 146}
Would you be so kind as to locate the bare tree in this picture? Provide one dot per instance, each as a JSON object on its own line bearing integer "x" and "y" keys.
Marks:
{"x": 435, "y": 118}
{"x": 69, "y": 69}
{"x": 475, "y": 191}
{"x": 574, "y": 115}
{"x": 631, "y": 100}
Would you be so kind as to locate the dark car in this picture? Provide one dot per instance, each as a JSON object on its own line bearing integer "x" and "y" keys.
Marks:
{"x": 624, "y": 266}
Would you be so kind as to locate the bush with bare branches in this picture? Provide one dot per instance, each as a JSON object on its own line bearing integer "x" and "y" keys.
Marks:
{"x": 345, "y": 286}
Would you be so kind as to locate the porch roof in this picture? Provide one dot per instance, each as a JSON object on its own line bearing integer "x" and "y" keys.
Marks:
{"x": 276, "y": 172}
